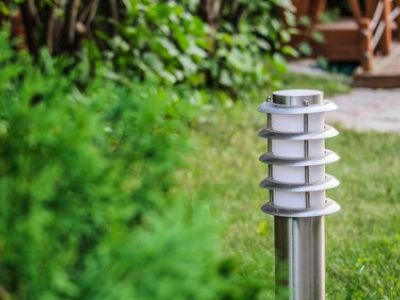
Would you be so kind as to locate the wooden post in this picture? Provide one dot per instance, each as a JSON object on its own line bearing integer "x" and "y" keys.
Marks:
{"x": 396, "y": 4}
{"x": 366, "y": 45}
{"x": 386, "y": 40}
{"x": 296, "y": 3}
{"x": 355, "y": 9}
{"x": 317, "y": 9}
{"x": 370, "y": 7}
{"x": 304, "y": 7}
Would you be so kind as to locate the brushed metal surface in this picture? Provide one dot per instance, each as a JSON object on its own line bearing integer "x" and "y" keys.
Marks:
{"x": 299, "y": 258}
{"x": 269, "y": 107}
{"x": 297, "y": 97}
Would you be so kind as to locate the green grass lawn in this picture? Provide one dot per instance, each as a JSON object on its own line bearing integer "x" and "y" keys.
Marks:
{"x": 363, "y": 240}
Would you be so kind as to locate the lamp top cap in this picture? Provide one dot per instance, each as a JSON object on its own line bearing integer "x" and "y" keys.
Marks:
{"x": 297, "y": 97}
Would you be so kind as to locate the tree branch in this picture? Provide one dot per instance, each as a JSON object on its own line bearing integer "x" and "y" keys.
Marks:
{"x": 114, "y": 15}
{"x": 30, "y": 28}
{"x": 89, "y": 12}
{"x": 51, "y": 27}
{"x": 72, "y": 16}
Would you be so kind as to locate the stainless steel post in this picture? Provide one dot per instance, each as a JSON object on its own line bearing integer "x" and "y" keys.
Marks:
{"x": 296, "y": 180}
{"x": 300, "y": 258}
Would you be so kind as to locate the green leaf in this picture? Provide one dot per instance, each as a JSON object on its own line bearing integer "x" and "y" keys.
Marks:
{"x": 317, "y": 36}
{"x": 279, "y": 63}
{"x": 225, "y": 79}
{"x": 119, "y": 44}
{"x": 153, "y": 61}
{"x": 305, "y": 48}
{"x": 168, "y": 46}
{"x": 290, "y": 51}
{"x": 196, "y": 50}
{"x": 182, "y": 39}
{"x": 188, "y": 65}
{"x": 239, "y": 60}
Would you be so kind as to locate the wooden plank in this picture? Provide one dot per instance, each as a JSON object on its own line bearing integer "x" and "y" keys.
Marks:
{"x": 341, "y": 41}
{"x": 377, "y": 16}
{"x": 338, "y": 33}
{"x": 376, "y": 81}
{"x": 341, "y": 25}
{"x": 355, "y": 9}
{"x": 336, "y": 40}
{"x": 377, "y": 38}
{"x": 395, "y": 13}
{"x": 386, "y": 73}
{"x": 349, "y": 54}
{"x": 389, "y": 64}
{"x": 340, "y": 37}
{"x": 386, "y": 40}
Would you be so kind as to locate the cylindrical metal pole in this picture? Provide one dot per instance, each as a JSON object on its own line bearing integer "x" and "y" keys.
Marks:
{"x": 300, "y": 258}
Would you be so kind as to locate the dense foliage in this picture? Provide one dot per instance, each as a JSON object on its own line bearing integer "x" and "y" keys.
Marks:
{"x": 89, "y": 207}
{"x": 92, "y": 136}
{"x": 228, "y": 45}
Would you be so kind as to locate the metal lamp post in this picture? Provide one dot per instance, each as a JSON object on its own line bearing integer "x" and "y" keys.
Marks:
{"x": 297, "y": 182}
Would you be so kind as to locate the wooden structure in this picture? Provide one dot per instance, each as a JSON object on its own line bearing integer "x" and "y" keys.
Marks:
{"x": 365, "y": 37}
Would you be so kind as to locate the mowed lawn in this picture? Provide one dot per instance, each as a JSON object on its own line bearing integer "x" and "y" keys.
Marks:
{"x": 362, "y": 241}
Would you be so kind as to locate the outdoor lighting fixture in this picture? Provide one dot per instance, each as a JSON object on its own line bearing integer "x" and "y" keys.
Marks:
{"x": 296, "y": 158}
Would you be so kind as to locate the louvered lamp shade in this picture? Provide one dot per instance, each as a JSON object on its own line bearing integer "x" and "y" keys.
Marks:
{"x": 296, "y": 154}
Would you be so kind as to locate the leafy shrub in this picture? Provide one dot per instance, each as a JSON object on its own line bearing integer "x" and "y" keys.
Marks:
{"x": 88, "y": 208}
{"x": 159, "y": 41}
{"x": 251, "y": 39}
{"x": 227, "y": 45}
{"x": 230, "y": 45}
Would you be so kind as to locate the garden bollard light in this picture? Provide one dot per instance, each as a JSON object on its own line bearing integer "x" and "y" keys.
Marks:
{"x": 296, "y": 181}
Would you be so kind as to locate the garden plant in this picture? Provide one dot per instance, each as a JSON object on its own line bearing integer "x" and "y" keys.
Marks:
{"x": 128, "y": 155}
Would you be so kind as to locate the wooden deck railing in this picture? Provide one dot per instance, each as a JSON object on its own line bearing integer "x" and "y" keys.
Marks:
{"x": 376, "y": 20}
{"x": 377, "y": 28}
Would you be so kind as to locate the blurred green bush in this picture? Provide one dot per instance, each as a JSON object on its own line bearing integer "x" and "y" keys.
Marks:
{"x": 225, "y": 45}
{"x": 230, "y": 45}
{"x": 88, "y": 202}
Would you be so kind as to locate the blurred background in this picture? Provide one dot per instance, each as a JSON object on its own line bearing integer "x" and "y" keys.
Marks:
{"x": 129, "y": 150}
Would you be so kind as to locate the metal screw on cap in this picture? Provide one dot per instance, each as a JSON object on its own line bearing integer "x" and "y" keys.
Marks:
{"x": 297, "y": 182}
